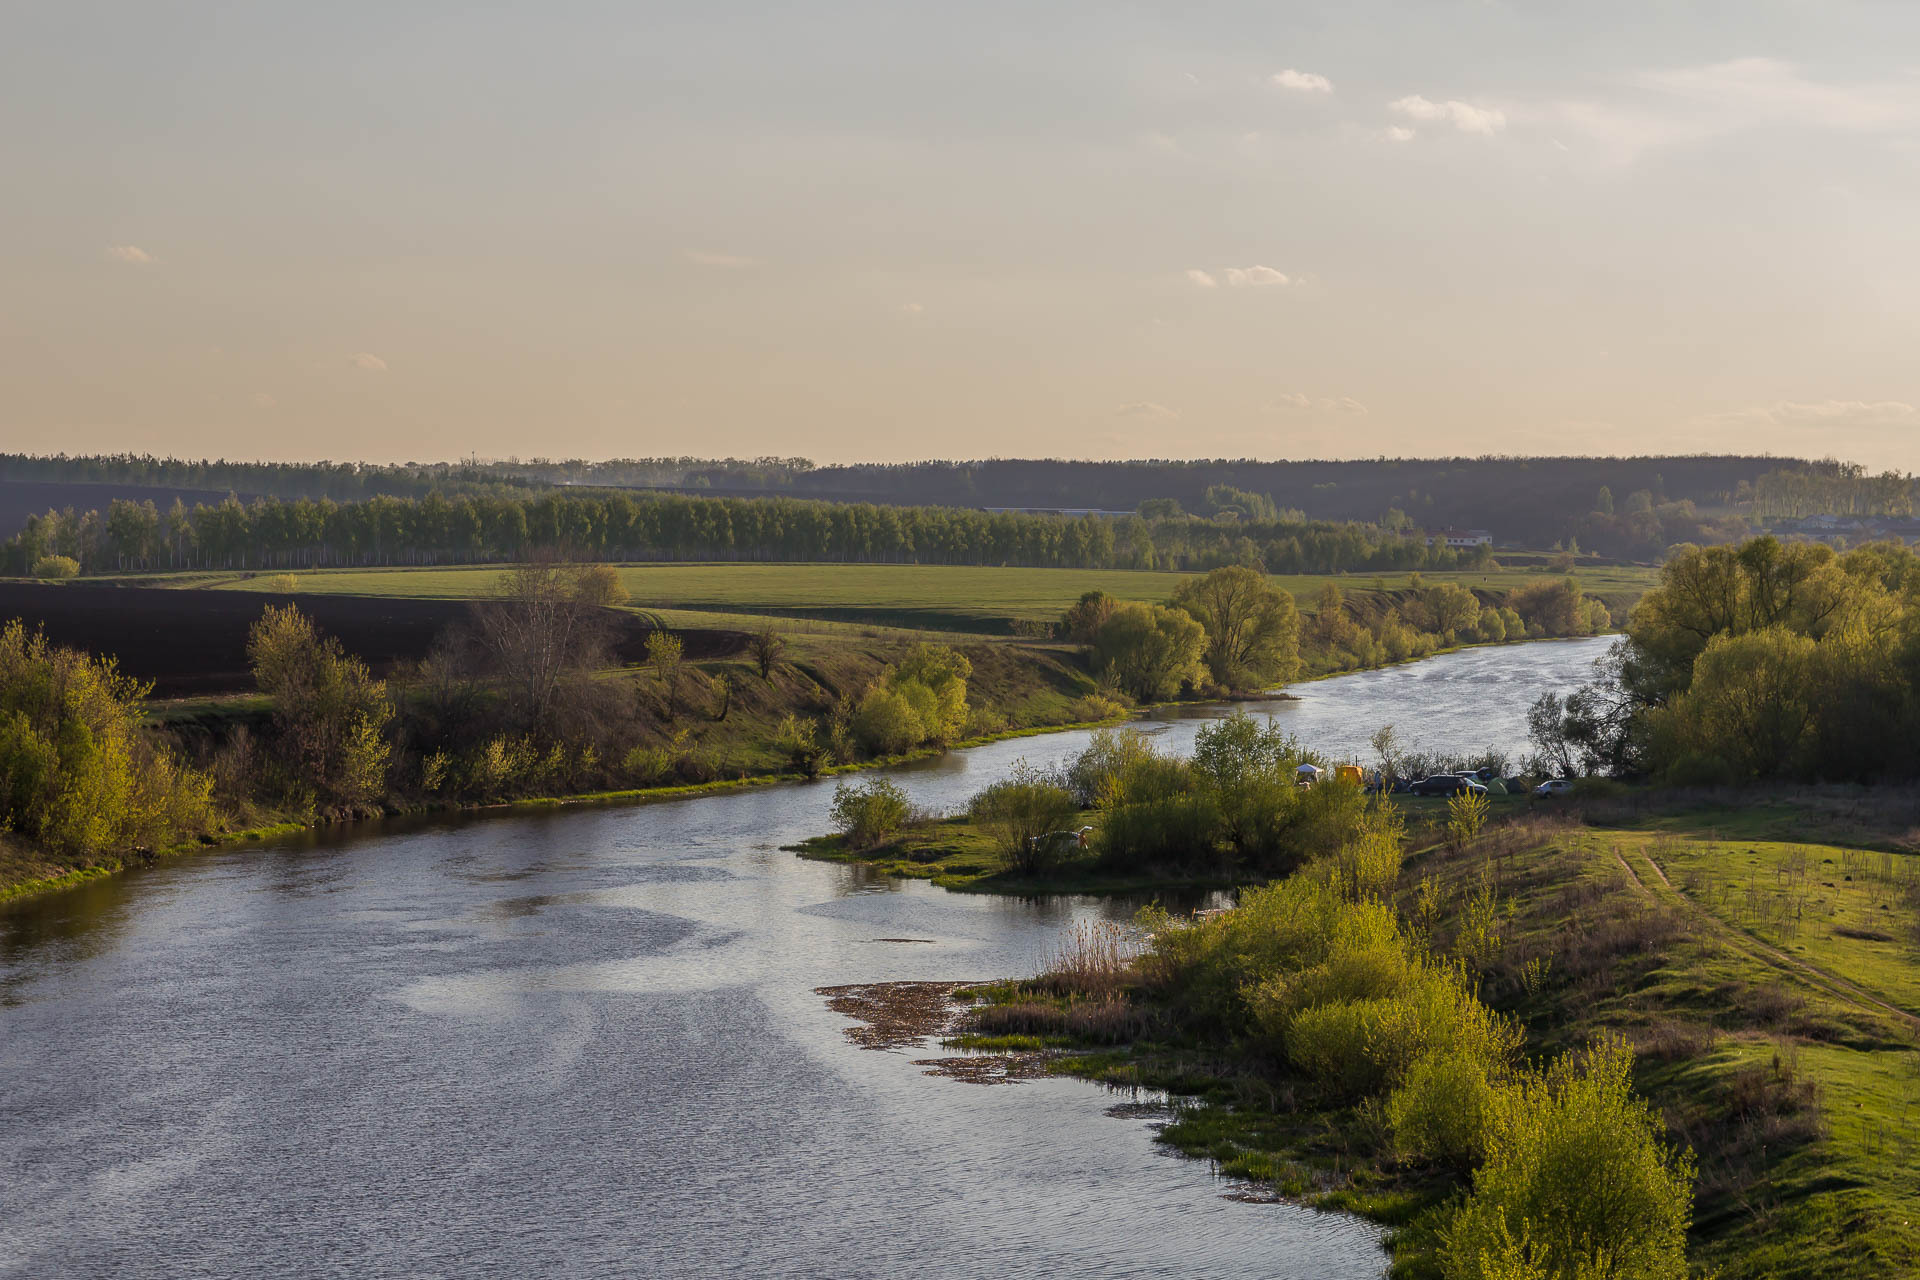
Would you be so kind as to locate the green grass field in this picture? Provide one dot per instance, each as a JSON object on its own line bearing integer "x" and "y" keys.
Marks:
{"x": 937, "y": 597}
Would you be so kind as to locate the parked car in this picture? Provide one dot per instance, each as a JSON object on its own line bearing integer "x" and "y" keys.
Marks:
{"x": 1445, "y": 784}
{"x": 1554, "y": 787}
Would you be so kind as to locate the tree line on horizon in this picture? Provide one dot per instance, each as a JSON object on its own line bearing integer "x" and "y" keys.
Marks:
{"x": 272, "y": 533}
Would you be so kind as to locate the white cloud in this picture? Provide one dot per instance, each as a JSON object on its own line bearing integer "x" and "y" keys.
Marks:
{"x": 1686, "y": 106}
{"x": 1145, "y": 409}
{"x": 1301, "y": 81}
{"x": 1827, "y": 413}
{"x": 724, "y": 261}
{"x": 1463, "y": 116}
{"x": 1399, "y": 133}
{"x": 132, "y": 253}
{"x": 1254, "y": 277}
{"x": 1298, "y": 402}
{"x": 368, "y": 361}
{"x": 1204, "y": 279}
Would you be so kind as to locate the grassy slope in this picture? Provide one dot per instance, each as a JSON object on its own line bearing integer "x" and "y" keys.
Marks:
{"x": 941, "y": 597}
{"x": 1773, "y": 998}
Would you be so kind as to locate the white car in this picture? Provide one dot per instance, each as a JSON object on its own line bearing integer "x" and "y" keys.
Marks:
{"x": 1554, "y": 787}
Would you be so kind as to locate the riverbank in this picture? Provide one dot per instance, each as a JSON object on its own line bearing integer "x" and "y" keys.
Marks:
{"x": 956, "y": 854}
{"x": 1025, "y": 699}
{"x": 1759, "y": 953}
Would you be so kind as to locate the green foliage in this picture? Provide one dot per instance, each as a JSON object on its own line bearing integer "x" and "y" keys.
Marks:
{"x": 920, "y": 700}
{"x": 1252, "y": 629}
{"x": 330, "y": 715}
{"x": 78, "y": 774}
{"x": 1088, "y": 614}
{"x": 1365, "y": 1046}
{"x": 1466, "y": 815}
{"x": 666, "y": 657}
{"x": 1578, "y": 1181}
{"x": 598, "y": 584}
{"x": 1444, "y": 1109}
{"x": 1021, "y": 811}
{"x": 1761, "y": 661}
{"x": 55, "y": 568}
{"x": 799, "y": 743}
{"x": 1095, "y": 776}
{"x": 867, "y": 815}
{"x": 1150, "y": 651}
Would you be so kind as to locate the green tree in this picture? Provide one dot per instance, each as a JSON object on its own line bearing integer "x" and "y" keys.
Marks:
{"x": 1020, "y": 810}
{"x": 1578, "y": 1182}
{"x": 1252, "y": 628}
{"x": 1150, "y": 651}
{"x": 78, "y": 773}
{"x": 330, "y": 715}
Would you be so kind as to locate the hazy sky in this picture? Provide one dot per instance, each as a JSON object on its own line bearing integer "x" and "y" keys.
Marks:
{"x": 906, "y": 230}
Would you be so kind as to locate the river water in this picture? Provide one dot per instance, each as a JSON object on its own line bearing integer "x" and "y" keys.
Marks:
{"x": 587, "y": 1043}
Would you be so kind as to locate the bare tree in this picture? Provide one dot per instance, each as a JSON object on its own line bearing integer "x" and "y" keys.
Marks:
{"x": 766, "y": 645}
{"x": 537, "y": 631}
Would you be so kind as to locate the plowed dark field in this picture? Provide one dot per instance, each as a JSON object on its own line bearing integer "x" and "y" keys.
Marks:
{"x": 195, "y": 642}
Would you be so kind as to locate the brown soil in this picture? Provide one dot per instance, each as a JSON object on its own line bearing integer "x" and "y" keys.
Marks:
{"x": 195, "y": 642}
{"x": 895, "y": 1015}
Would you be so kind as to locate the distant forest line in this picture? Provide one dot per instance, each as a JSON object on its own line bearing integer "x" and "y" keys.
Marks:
{"x": 1632, "y": 508}
{"x": 271, "y": 533}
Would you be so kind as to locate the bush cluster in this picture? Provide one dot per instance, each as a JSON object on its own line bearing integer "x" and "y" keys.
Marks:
{"x": 871, "y": 813}
{"x": 1235, "y": 802}
{"x": 78, "y": 772}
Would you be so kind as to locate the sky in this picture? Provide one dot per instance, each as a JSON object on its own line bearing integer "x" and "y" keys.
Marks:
{"x": 897, "y": 230}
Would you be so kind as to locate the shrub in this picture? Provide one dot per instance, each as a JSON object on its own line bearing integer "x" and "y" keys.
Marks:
{"x": 598, "y": 584}
{"x": 78, "y": 774}
{"x": 1365, "y": 1046}
{"x": 1466, "y": 815}
{"x": 1095, "y": 774}
{"x": 1444, "y": 1110}
{"x": 885, "y": 722}
{"x": 922, "y": 699}
{"x": 1021, "y": 812}
{"x": 799, "y": 741}
{"x": 1578, "y": 1181}
{"x": 330, "y": 715}
{"x": 56, "y": 567}
{"x": 1367, "y": 864}
{"x": 867, "y": 815}
{"x": 1150, "y": 651}
{"x": 283, "y": 583}
{"x": 1171, "y": 830}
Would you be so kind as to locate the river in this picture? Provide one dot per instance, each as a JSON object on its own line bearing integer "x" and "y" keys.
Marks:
{"x": 587, "y": 1042}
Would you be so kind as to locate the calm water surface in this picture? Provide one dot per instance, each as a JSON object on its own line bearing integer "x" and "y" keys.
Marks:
{"x": 587, "y": 1043}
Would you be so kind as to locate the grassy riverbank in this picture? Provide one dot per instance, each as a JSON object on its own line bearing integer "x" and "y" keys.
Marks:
{"x": 1762, "y": 955}
{"x": 956, "y": 854}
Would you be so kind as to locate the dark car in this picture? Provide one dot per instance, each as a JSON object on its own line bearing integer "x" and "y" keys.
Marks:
{"x": 1445, "y": 784}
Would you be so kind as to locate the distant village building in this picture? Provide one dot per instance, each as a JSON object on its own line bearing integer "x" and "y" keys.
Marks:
{"x": 1459, "y": 539}
{"x": 1056, "y": 511}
